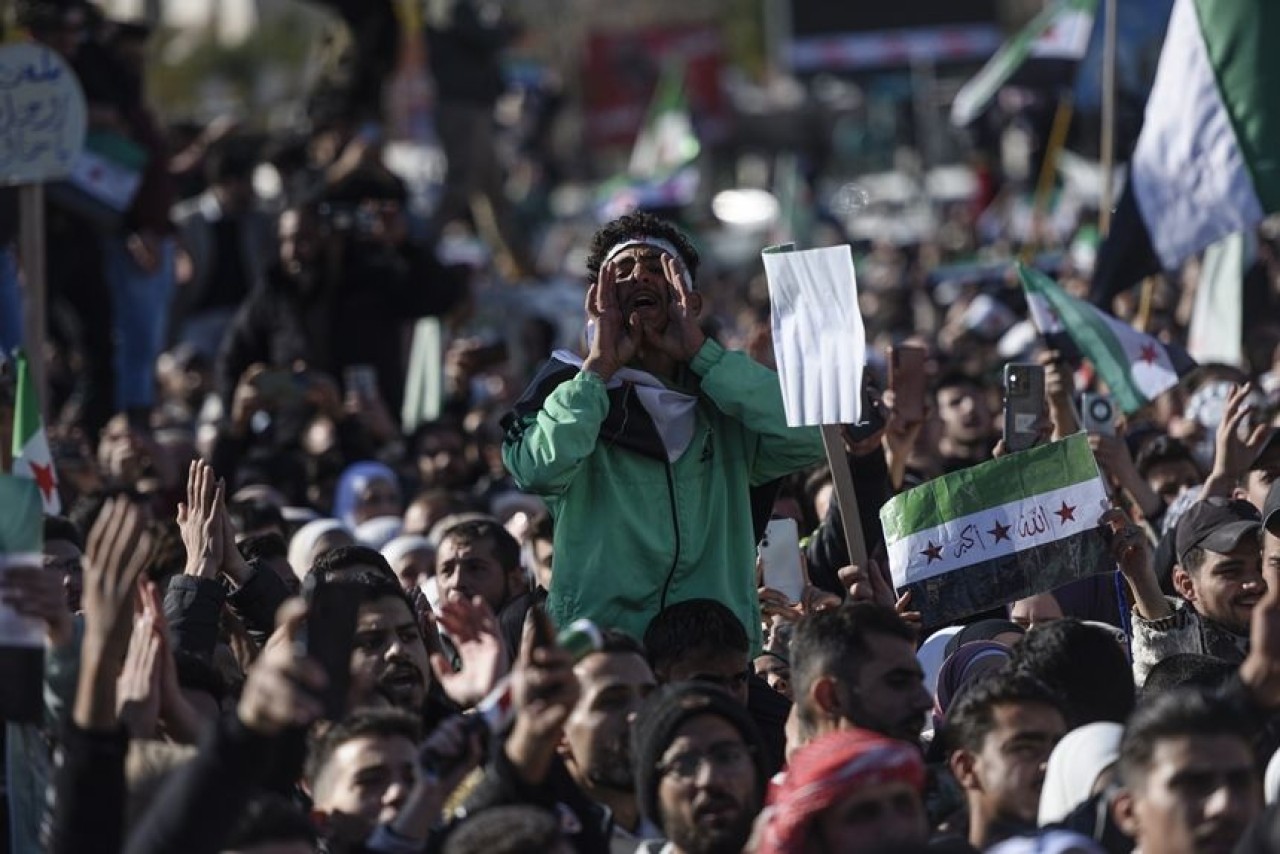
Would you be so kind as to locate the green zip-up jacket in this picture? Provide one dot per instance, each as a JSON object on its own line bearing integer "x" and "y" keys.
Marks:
{"x": 634, "y": 533}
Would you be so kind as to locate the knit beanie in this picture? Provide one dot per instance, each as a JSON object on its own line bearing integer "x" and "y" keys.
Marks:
{"x": 662, "y": 715}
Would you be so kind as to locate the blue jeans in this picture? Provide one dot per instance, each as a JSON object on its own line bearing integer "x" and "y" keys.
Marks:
{"x": 10, "y": 302}
{"x": 140, "y": 307}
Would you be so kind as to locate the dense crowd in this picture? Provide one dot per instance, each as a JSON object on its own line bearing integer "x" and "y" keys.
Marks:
{"x": 289, "y": 608}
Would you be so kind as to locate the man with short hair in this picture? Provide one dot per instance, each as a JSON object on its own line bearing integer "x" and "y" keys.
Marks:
{"x": 968, "y": 429}
{"x": 1188, "y": 776}
{"x": 698, "y": 770}
{"x": 479, "y": 558}
{"x": 361, "y": 770}
{"x": 851, "y": 790}
{"x": 1002, "y": 729}
{"x": 647, "y": 451}
{"x": 855, "y": 666}
{"x": 1219, "y": 577}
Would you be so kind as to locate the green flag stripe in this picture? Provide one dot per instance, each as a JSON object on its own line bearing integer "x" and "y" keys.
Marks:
{"x": 1090, "y": 332}
{"x": 1239, "y": 37}
{"x": 26, "y": 412}
{"x": 22, "y": 522}
{"x": 992, "y": 484}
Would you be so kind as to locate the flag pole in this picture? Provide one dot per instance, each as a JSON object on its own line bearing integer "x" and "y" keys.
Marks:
{"x": 1108, "y": 116}
{"x": 1049, "y": 168}
{"x": 31, "y": 250}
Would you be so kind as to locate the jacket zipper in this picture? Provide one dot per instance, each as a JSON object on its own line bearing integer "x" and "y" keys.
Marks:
{"x": 675, "y": 525}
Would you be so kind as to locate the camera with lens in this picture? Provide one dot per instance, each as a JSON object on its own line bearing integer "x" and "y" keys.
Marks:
{"x": 1098, "y": 414}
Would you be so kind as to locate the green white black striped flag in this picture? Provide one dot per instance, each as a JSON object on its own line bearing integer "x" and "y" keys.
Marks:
{"x": 1205, "y": 165}
{"x": 1057, "y": 38}
{"x": 21, "y": 544}
{"x": 1136, "y": 367}
{"x": 985, "y": 536}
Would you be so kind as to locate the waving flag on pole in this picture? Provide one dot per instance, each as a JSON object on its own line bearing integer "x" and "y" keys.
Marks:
{"x": 31, "y": 457}
{"x": 1205, "y": 164}
{"x": 1046, "y": 53}
{"x": 1136, "y": 367}
{"x": 1009, "y": 528}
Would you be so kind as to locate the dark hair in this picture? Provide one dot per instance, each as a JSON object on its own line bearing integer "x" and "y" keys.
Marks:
{"x": 541, "y": 527}
{"x": 694, "y": 624}
{"x": 362, "y": 723}
{"x": 1084, "y": 665}
{"x": 62, "y": 528}
{"x": 269, "y": 818}
{"x": 345, "y": 563}
{"x": 263, "y": 547}
{"x": 834, "y": 642}
{"x": 231, "y": 159}
{"x": 505, "y": 830}
{"x": 1161, "y": 450}
{"x": 504, "y": 546}
{"x": 953, "y": 379}
{"x": 1194, "y": 559}
{"x": 1187, "y": 670}
{"x": 1184, "y": 712}
{"x": 254, "y": 515}
{"x": 972, "y": 717}
{"x": 638, "y": 225}
{"x": 616, "y": 641}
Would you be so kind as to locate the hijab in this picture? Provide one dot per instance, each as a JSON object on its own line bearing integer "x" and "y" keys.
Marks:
{"x": 1074, "y": 768}
{"x": 352, "y": 484}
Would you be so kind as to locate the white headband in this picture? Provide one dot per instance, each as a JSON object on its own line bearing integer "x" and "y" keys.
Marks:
{"x": 657, "y": 243}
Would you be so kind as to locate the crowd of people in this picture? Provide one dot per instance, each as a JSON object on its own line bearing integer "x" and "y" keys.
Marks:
{"x": 282, "y": 616}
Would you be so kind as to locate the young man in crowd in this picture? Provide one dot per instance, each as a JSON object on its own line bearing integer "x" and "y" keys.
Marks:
{"x": 968, "y": 429}
{"x": 698, "y": 771}
{"x": 1002, "y": 730}
{"x": 1189, "y": 784}
{"x": 648, "y": 450}
{"x": 1219, "y": 577}
{"x": 479, "y": 558}
{"x": 855, "y": 666}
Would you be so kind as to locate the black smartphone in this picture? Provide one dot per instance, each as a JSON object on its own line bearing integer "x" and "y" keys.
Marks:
{"x": 328, "y": 636}
{"x": 873, "y": 418}
{"x": 1024, "y": 405}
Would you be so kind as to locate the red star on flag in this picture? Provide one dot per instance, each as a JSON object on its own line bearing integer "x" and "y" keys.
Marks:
{"x": 932, "y": 552}
{"x": 44, "y": 479}
{"x": 1148, "y": 353}
{"x": 1066, "y": 513}
{"x": 1000, "y": 532}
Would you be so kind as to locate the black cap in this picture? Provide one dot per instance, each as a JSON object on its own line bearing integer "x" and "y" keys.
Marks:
{"x": 1271, "y": 510}
{"x": 1217, "y": 525}
{"x": 1269, "y": 444}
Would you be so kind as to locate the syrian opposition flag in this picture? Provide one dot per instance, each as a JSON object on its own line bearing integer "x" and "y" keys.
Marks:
{"x": 1205, "y": 165}
{"x": 31, "y": 457}
{"x": 21, "y": 637}
{"x": 1003, "y": 530}
{"x": 1135, "y": 366}
{"x": 1044, "y": 54}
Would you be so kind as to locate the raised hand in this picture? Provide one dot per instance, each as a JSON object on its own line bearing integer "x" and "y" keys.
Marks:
{"x": 138, "y": 688}
{"x": 199, "y": 522}
{"x": 279, "y": 692}
{"x": 474, "y": 630}
{"x": 1131, "y": 551}
{"x": 617, "y": 338}
{"x": 1232, "y": 455}
{"x": 119, "y": 548}
{"x": 683, "y": 337}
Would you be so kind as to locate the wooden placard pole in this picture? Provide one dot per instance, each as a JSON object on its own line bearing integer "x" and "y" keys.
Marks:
{"x": 31, "y": 251}
{"x": 846, "y": 498}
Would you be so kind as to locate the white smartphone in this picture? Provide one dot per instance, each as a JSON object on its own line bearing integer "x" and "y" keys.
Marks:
{"x": 779, "y": 553}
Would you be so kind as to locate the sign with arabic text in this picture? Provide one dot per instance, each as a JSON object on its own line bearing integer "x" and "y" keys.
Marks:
{"x": 42, "y": 115}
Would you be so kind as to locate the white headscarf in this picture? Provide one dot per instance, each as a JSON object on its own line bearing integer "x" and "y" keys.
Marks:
{"x": 377, "y": 532}
{"x": 933, "y": 654}
{"x": 1271, "y": 781}
{"x": 305, "y": 540}
{"x": 1074, "y": 768}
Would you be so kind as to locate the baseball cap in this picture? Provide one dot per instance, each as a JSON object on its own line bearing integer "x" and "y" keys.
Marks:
{"x": 1217, "y": 525}
{"x": 1271, "y": 510}
{"x": 1269, "y": 445}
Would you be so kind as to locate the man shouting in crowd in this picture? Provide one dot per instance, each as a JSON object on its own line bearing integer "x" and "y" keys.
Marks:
{"x": 647, "y": 451}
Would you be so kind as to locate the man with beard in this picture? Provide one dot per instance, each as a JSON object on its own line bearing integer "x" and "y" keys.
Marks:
{"x": 478, "y": 557}
{"x": 698, "y": 770}
{"x": 1219, "y": 577}
{"x": 855, "y": 666}
{"x": 1003, "y": 729}
{"x": 596, "y": 747}
{"x": 1188, "y": 776}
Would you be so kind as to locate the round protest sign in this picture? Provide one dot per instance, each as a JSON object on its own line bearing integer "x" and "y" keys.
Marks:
{"x": 42, "y": 115}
